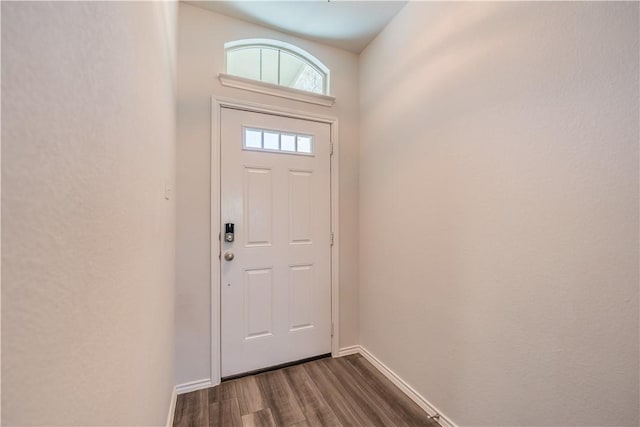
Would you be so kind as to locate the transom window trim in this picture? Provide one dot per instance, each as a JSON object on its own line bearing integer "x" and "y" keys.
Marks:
{"x": 280, "y": 46}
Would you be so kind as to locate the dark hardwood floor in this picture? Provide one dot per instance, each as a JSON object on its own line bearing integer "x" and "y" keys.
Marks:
{"x": 347, "y": 391}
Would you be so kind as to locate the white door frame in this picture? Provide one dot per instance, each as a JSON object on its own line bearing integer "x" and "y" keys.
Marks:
{"x": 217, "y": 103}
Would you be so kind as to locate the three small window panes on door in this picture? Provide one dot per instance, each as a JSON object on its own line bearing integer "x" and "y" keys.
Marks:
{"x": 275, "y": 141}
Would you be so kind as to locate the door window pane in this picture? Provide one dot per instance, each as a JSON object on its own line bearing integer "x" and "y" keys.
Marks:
{"x": 244, "y": 63}
{"x": 271, "y": 141}
{"x": 310, "y": 80}
{"x": 270, "y": 66}
{"x": 304, "y": 144}
{"x": 290, "y": 69}
{"x": 288, "y": 142}
{"x": 252, "y": 138}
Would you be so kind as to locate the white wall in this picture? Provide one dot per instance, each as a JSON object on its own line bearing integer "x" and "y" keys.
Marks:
{"x": 499, "y": 209}
{"x": 202, "y": 35}
{"x": 88, "y": 239}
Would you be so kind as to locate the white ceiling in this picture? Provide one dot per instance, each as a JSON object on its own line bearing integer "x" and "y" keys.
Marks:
{"x": 349, "y": 25}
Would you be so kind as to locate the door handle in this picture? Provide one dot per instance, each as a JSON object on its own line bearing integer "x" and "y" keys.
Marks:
{"x": 228, "y": 256}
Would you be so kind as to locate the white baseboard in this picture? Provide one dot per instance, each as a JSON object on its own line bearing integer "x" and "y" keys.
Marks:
{"x": 352, "y": 349}
{"x": 172, "y": 407}
{"x": 194, "y": 385}
{"x": 426, "y": 406}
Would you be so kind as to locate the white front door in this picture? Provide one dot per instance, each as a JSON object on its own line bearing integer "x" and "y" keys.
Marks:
{"x": 275, "y": 190}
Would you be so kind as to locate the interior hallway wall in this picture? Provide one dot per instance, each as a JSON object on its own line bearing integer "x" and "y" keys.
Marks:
{"x": 499, "y": 209}
{"x": 202, "y": 35}
{"x": 88, "y": 143}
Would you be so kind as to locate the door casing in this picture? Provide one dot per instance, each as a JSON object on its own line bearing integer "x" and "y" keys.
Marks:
{"x": 217, "y": 103}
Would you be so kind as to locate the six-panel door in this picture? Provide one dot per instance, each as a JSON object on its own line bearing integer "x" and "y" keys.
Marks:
{"x": 276, "y": 291}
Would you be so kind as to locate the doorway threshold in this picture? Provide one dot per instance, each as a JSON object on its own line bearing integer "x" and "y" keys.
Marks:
{"x": 274, "y": 367}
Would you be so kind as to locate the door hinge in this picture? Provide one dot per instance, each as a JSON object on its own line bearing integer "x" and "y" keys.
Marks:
{"x": 331, "y": 238}
{"x": 332, "y": 329}
{"x": 331, "y": 149}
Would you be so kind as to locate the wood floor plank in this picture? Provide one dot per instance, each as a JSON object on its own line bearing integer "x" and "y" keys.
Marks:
{"x": 362, "y": 397}
{"x": 400, "y": 402}
{"x": 223, "y": 391}
{"x": 224, "y": 413}
{"x": 382, "y": 397}
{"x": 182, "y": 414}
{"x": 249, "y": 395}
{"x": 279, "y": 397}
{"x": 202, "y": 417}
{"x": 192, "y": 409}
{"x": 316, "y": 410}
{"x": 337, "y": 398}
{"x": 261, "y": 418}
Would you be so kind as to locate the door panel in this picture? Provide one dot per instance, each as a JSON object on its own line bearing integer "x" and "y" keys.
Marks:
{"x": 258, "y": 219}
{"x": 276, "y": 291}
{"x": 300, "y": 203}
{"x": 258, "y": 302}
{"x": 300, "y": 303}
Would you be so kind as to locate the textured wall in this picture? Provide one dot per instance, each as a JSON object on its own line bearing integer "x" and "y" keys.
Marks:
{"x": 202, "y": 35}
{"x": 87, "y": 236}
{"x": 499, "y": 209}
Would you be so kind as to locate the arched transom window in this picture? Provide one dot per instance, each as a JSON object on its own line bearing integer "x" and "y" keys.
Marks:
{"x": 278, "y": 63}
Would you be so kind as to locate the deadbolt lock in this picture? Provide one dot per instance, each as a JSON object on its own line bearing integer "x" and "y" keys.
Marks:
{"x": 228, "y": 232}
